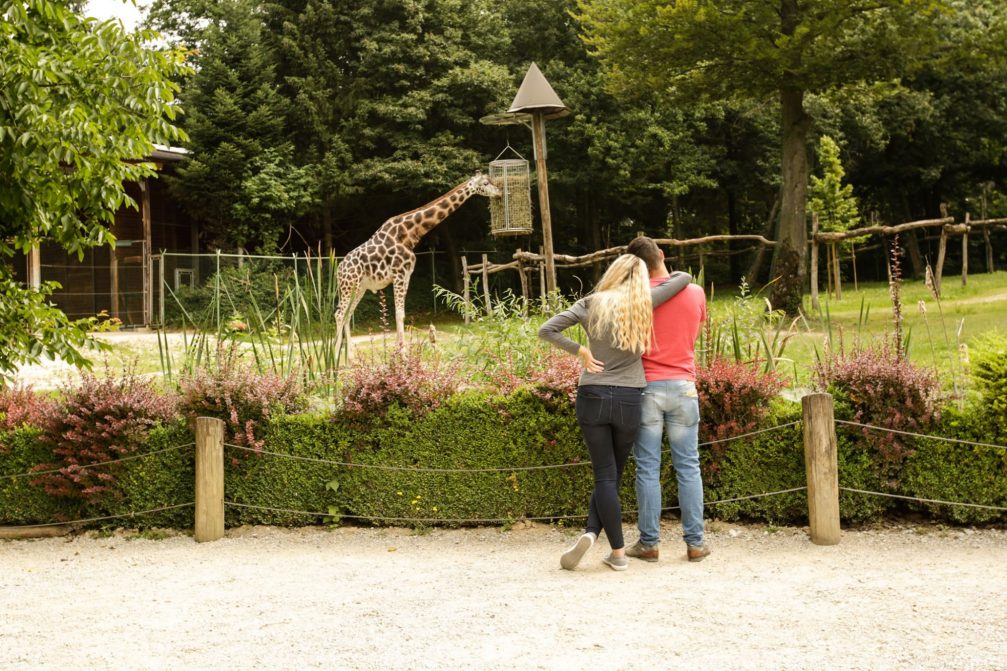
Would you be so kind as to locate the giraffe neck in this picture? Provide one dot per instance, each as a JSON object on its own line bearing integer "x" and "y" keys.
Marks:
{"x": 409, "y": 228}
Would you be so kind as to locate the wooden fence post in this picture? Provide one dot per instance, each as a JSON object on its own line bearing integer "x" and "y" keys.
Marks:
{"x": 486, "y": 286}
{"x": 465, "y": 289}
{"x": 965, "y": 251}
{"x": 814, "y": 261}
{"x": 821, "y": 467}
{"x": 541, "y": 280}
{"x": 209, "y": 524}
{"x": 835, "y": 268}
{"x": 942, "y": 249}
{"x": 524, "y": 284}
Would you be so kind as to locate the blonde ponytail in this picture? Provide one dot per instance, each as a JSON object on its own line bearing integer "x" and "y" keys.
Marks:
{"x": 621, "y": 305}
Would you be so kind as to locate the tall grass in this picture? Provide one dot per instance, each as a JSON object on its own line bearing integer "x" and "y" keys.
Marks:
{"x": 293, "y": 335}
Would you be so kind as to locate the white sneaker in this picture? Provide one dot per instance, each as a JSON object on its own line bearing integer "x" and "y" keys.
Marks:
{"x": 616, "y": 563}
{"x": 572, "y": 557}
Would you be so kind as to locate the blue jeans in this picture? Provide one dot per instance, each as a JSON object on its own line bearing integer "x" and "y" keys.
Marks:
{"x": 609, "y": 418}
{"x": 671, "y": 405}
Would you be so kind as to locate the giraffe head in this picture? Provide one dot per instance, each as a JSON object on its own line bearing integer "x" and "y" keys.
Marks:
{"x": 482, "y": 185}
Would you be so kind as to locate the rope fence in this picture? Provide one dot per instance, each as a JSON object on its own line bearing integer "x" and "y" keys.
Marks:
{"x": 482, "y": 520}
{"x": 82, "y": 467}
{"x": 921, "y": 500}
{"x": 921, "y": 435}
{"x": 820, "y": 456}
{"x": 88, "y": 520}
{"x": 500, "y": 469}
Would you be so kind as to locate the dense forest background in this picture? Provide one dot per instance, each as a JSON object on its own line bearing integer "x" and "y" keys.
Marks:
{"x": 312, "y": 121}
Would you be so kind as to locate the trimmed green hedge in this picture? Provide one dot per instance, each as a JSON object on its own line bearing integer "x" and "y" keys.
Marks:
{"x": 477, "y": 431}
{"x": 20, "y": 501}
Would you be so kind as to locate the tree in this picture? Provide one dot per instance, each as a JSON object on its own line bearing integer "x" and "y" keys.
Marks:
{"x": 242, "y": 183}
{"x": 729, "y": 49}
{"x": 80, "y": 102}
{"x": 828, "y": 196}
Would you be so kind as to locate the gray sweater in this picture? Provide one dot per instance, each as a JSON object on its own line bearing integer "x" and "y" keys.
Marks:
{"x": 622, "y": 368}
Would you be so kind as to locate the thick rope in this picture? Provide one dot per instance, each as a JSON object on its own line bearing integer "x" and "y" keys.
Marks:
{"x": 107, "y": 517}
{"x": 920, "y": 435}
{"x": 100, "y": 463}
{"x": 914, "y": 498}
{"x": 483, "y": 520}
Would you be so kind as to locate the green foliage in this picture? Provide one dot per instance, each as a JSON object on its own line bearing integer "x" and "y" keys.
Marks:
{"x": 759, "y": 47}
{"x": 155, "y": 481}
{"x": 943, "y": 471}
{"x": 21, "y": 502}
{"x": 989, "y": 371}
{"x": 473, "y": 430}
{"x": 832, "y": 200}
{"x": 787, "y": 50}
{"x": 520, "y": 430}
{"x": 242, "y": 183}
{"x": 749, "y": 331}
{"x": 275, "y": 482}
{"x": 81, "y": 102}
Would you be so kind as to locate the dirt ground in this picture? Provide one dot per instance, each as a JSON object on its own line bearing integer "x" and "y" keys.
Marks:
{"x": 901, "y": 597}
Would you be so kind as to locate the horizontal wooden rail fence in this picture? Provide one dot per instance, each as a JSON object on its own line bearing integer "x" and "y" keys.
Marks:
{"x": 527, "y": 262}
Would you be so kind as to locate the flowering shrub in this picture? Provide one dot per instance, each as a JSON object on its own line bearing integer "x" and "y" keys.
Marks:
{"x": 402, "y": 377}
{"x": 882, "y": 388}
{"x": 733, "y": 398}
{"x": 101, "y": 419}
{"x": 552, "y": 375}
{"x": 243, "y": 398}
{"x": 20, "y": 406}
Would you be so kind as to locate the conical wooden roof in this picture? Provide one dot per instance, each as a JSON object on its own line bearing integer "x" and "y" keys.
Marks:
{"x": 537, "y": 95}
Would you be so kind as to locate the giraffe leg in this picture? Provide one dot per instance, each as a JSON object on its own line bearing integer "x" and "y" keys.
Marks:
{"x": 348, "y": 299}
{"x": 357, "y": 297}
{"x": 401, "y": 286}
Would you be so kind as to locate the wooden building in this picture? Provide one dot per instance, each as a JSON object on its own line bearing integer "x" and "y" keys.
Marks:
{"x": 122, "y": 282}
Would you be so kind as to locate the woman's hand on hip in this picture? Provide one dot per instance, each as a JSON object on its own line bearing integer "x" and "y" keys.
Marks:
{"x": 591, "y": 365}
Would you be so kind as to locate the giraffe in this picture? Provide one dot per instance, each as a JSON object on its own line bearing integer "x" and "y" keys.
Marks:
{"x": 387, "y": 256}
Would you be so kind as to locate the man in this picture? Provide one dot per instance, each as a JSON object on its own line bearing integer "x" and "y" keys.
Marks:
{"x": 670, "y": 401}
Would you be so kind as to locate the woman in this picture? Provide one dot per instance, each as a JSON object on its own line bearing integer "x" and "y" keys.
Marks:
{"x": 618, "y": 319}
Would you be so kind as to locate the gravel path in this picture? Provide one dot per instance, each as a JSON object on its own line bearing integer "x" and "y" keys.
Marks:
{"x": 266, "y": 598}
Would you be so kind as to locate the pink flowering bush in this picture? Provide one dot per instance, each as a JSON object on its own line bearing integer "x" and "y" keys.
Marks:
{"x": 20, "y": 406}
{"x": 240, "y": 396}
{"x": 99, "y": 420}
{"x": 552, "y": 375}
{"x": 879, "y": 387}
{"x": 372, "y": 385}
{"x": 733, "y": 398}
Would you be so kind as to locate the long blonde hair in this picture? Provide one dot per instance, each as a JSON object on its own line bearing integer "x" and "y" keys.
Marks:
{"x": 622, "y": 305}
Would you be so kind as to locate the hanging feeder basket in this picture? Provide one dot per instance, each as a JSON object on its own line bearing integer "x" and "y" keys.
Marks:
{"x": 511, "y": 213}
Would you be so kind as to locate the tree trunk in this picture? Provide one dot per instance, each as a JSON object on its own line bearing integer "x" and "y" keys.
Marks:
{"x": 754, "y": 273}
{"x": 915, "y": 258}
{"x": 734, "y": 260}
{"x": 452, "y": 249}
{"x": 327, "y": 227}
{"x": 788, "y": 260}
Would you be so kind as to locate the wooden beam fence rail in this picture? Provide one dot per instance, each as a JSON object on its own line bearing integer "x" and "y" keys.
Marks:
{"x": 526, "y": 262}
{"x": 529, "y": 262}
{"x": 947, "y": 226}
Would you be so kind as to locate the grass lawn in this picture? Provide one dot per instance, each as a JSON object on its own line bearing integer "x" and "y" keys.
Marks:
{"x": 977, "y": 308}
{"x": 865, "y": 314}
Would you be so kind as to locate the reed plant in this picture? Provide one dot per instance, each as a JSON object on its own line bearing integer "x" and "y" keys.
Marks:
{"x": 294, "y": 334}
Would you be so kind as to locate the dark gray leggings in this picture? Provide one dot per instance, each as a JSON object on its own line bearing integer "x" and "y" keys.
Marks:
{"x": 609, "y": 418}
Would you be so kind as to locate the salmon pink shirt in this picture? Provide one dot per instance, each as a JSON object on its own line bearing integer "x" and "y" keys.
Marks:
{"x": 672, "y": 355}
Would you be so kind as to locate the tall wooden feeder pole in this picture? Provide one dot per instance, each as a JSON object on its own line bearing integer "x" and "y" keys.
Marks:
{"x": 535, "y": 103}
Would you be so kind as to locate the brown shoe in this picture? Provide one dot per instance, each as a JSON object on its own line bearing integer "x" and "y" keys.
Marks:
{"x": 695, "y": 552}
{"x": 644, "y": 552}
